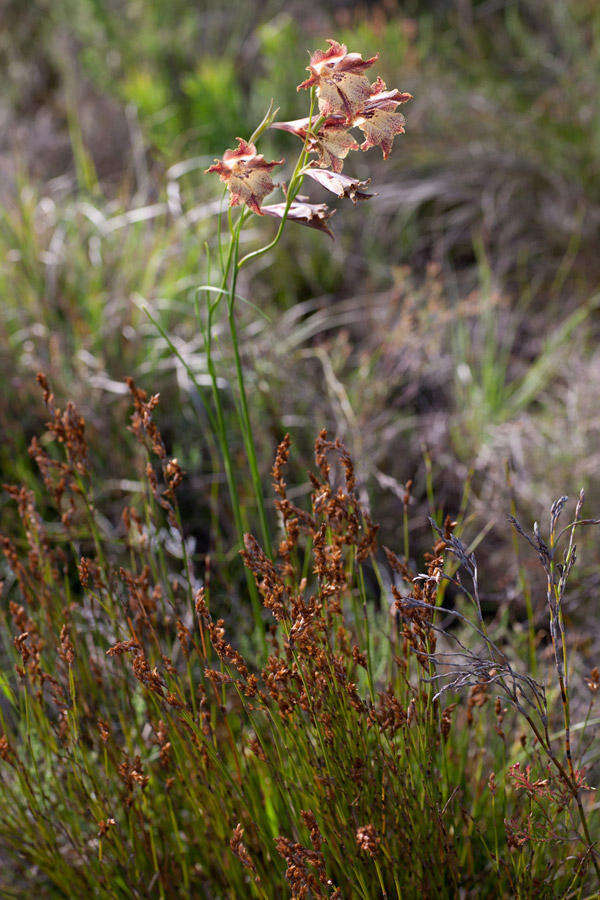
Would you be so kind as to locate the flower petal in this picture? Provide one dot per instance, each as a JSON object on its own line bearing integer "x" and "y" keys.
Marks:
{"x": 322, "y": 59}
{"x": 380, "y": 126}
{"x": 294, "y": 126}
{"x": 313, "y": 215}
{"x": 250, "y": 188}
{"x": 243, "y": 153}
{"x": 335, "y": 58}
{"x": 342, "y": 93}
{"x": 300, "y": 126}
{"x": 341, "y": 185}
{"x": 382, "y": 98}
{"x": 332, "y": 143}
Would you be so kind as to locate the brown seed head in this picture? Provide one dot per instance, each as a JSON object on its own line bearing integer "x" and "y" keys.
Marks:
{"x": 367, "y": 839}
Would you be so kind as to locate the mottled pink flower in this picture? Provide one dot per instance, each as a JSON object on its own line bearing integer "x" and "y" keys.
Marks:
{"x": 341, "y": 85}
{"x": 246, "y": 174}
{"x": 378, "y": 119}
{"x": 332, "y": 142}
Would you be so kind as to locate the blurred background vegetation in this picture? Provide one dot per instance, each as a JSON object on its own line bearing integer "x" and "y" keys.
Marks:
{"x": 449, "y": 335}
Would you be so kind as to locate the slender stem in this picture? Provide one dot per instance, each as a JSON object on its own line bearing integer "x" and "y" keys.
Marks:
{"x": 230, "y": 267}
{"x": 233, "y": 491}
{"x": 235, "y": 265}
{"x": 245, "y": 422}
{"x": 380, "y": 877}
{"x": 363, "y": 594}
{"x": 221, "y": 430}
{"x": 560, "y": 651}
{"x": 525, "y": 589}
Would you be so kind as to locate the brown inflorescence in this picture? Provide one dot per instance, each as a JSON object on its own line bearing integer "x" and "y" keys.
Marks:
{"x": 239, "y": 848}
{"x": 367, "y": 839}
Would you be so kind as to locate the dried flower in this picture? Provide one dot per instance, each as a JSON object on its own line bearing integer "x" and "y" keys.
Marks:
{"x": 130, "y": 772}
{"x": 84, "y": 572}
{"x": 123, "y": 647}
{"x": 310, "y": 821}
{"x": 216, "y": 677}
{"x": 359, "y": 657}
{"x": 305, "y": 870}
{"x": 104, "y": 729}
{"x": 446, "y": 721}
{"x": 173, "y": 474}
{"x": 66, "y": 649}
{"x": 7, "y": 754}
{"x": 246, "y": 174}
{"x": 478, "y": 696}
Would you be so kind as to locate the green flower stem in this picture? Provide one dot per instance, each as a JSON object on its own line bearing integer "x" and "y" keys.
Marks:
{"x": 234, "y": 265}
{"x": 230, "y": 267}
{"x": 221, "y": 431}
{"x": 244, "y": 413}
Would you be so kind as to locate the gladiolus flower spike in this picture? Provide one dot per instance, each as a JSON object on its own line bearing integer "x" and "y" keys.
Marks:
{"x": 346, "y": 99}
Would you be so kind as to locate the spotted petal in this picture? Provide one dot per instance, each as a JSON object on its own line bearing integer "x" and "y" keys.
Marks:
{"x": 342, "y": 93}
{"x": 381, "y": 98}
{"x": 380, "y": 126}
{"x": 335, "y": 59}
{"x": 332, "y": 145}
